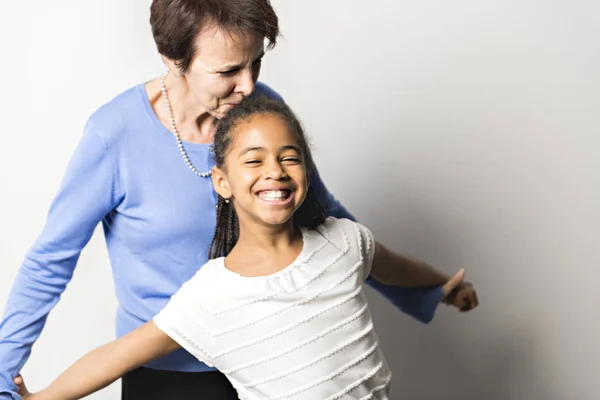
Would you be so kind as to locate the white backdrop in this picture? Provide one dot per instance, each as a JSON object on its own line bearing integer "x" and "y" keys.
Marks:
{"x": 465, "y": 133}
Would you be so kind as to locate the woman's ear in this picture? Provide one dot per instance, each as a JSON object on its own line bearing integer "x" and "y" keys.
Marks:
{"x": 171, "y": 65}
{"x": 220, "y": 183}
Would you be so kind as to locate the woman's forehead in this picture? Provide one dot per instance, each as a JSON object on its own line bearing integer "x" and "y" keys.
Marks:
{"x": 217, "y": 45}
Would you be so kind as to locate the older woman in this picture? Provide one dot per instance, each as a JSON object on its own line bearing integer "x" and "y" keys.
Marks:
{"x": 142, "y": 169}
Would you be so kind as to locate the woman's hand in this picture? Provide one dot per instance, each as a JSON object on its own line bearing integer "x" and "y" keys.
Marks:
{"x": 460, "y": 294}
{"x": 23, "y": 392}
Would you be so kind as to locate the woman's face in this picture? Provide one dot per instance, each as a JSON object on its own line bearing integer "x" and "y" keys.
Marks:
{"x": 224, "y": 70}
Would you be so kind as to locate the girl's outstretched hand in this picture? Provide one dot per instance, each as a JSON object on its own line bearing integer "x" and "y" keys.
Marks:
{"x": 460, "y": 294}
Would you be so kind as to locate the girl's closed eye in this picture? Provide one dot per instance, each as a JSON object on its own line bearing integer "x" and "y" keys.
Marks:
{"x": 292, "y": 160}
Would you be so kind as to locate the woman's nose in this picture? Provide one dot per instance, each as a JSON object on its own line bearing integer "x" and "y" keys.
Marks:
{"x": 246, "y": 83}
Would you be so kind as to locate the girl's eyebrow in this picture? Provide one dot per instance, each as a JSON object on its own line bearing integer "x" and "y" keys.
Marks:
{"x": 257, "y": 148}
{"x": 292, "y": 147}
{"x": 249, "y": 149}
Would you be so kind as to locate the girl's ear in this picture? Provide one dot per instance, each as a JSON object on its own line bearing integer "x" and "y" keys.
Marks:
{"x": 220, "y": 183}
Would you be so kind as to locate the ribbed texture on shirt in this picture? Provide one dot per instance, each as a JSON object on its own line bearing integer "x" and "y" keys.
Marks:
{"x": 305, "y": 332}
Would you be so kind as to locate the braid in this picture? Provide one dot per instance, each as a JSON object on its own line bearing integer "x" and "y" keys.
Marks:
{"x": 229, "y": 225}
{"x": 213, "y": 251}
{"x": 236, "y": 227}
{"x": 227, "y": 230}
{"x": 233, "y": 229}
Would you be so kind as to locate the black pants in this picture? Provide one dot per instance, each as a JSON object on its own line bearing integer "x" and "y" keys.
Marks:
{"x": 152, "y": 384}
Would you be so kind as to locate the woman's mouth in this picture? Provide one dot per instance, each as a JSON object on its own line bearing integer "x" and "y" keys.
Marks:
{"x": 281, "y": 196}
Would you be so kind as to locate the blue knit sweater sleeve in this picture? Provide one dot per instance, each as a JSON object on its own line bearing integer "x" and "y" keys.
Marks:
{"x": 86, "y": 195}
{"x": 420, "y": 303}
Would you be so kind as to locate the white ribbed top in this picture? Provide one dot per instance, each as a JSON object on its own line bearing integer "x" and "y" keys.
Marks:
{"x": 304, "y": 332}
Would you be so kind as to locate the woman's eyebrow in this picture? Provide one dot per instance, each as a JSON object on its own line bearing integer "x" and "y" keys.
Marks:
{"x": 228, "y": 67}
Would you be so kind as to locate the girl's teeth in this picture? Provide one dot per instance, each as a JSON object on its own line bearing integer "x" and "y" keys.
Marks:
{"x": 273, "y": 195}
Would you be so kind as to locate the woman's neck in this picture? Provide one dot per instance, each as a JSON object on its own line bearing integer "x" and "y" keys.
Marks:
{"x": 193, "y": 123}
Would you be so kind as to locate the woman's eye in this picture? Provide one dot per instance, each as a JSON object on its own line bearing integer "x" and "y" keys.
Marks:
{"x": 291, "y": 160}
{"x": 229, "y": 73}
{"x": 252, "y": 162}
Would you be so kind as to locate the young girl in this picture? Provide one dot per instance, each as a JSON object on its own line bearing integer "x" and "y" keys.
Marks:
{"x": 280, "y": 307}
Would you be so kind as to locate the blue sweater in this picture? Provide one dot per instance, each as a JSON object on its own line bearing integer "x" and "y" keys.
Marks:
{"x": 158, "y": 219}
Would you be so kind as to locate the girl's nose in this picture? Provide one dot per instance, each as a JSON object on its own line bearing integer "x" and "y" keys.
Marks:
{"x": 275, "y": 171}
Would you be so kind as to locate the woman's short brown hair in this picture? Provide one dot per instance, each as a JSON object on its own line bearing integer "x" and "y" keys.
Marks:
{"x": 176, "y": 23}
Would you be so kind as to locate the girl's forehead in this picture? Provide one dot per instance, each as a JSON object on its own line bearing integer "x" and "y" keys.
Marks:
{"x": 266, "y": 131}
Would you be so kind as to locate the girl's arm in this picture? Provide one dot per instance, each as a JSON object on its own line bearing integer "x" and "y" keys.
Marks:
{"x": 394, "y": 269}
{"x": 104, "y": 365}
{"x": 418, "y": 302}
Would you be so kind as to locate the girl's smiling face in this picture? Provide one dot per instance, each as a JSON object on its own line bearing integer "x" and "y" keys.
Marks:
{"x": 265, "y": 174}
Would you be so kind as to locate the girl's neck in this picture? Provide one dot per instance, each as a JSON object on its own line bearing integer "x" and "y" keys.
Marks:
{"x": 267, "y": 238}
{"x": 263, "y": 250}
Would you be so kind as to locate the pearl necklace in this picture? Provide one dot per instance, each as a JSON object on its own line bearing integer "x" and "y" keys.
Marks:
{"x": 163, "y": 89}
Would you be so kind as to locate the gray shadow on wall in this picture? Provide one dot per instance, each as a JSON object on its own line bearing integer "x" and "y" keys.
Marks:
{"x": 457, "y": 356}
